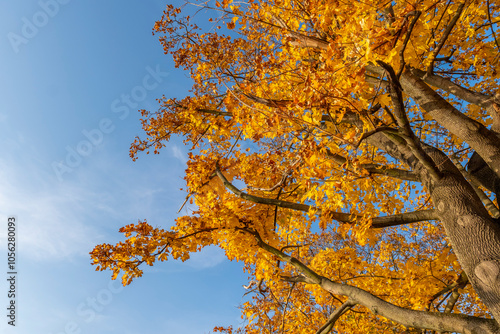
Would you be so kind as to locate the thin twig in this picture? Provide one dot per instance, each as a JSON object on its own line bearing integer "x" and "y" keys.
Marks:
{"x": 416, "y": 15}
{"x": 285, "y": 307}
{"x": 491, "y": 25}
{"x": 235, "y": 142}
{"x": 446, "y": 33}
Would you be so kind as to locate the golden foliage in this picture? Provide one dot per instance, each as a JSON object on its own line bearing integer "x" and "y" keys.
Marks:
{"x": 282, "y": 102}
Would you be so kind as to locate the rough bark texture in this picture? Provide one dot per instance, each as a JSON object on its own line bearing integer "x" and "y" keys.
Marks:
{"x": 474, "y": 236}
{"x": 482, "y": 140}
{"x": 478, "y": 168}
{"x": 473, "y": 233}
{"x": 442, "y": 322}
{"x": 490, "y": 103}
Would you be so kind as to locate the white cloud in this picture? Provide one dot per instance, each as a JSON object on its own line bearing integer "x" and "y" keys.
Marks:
{"x": 178, "y": 154}
{"x": 208, "y": 257}
{"x": 51, "y": 215}
{"x": 61, "y": 220}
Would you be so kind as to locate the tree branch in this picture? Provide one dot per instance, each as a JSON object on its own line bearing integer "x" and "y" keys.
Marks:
{"x": 482, "y": 100}
{"x": 446, "y": 33}
{"x": 268, "y": 102}
{"x": 205, "y": 110}
{"x": 407, "y": 317}
{"x": 261, "y": 200}
{"x": 299, "y": 39}
{"x": 475, "y": 183}
{"x": 378, "y": 222}
{"x": 460, "y": 283}
{"x": 452, "y": 301}
{"x": 285, "y": 307}
{"x": 479, "y": 138}
{"x": 491, "y": 25}
{"x": 416, "y": 15}
{"x": 328, "y": 326}
{"x": 375, "y": 82}
{"x": 449, "y": 86}
{"x": 401, "y": 174}
{"x": 214, "y": 112}
{"x": 400, "y": 114}
{"x": 394, "y": 146}
{"x": 404, "y": 218}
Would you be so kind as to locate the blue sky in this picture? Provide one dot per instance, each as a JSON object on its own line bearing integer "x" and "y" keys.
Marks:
{"x": 72, "y": 76}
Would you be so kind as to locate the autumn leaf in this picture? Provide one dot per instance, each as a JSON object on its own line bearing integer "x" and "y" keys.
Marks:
{"x": 346, "y": 153}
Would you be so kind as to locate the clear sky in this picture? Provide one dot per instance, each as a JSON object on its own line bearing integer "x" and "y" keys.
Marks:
{"x": 73, "y": 74}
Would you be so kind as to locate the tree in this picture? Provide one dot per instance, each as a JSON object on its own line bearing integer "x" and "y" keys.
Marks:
{"x": 329, "y": 146}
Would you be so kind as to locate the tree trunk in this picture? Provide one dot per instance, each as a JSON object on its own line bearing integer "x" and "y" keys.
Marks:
{"x": 474, "y": 236}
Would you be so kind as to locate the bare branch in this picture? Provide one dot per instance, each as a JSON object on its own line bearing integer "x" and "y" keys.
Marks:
{"x": 453, "y": 88}
{"x": 282, "y": 180}
{"x": 185, "y": 201}
{"x": 261, "y": 200}
{"x": 491, "y": 25}
{"x": 206, "y": 111}
{"x": 214, "y": 112}
{"x": 300, "y": 39}
{"x": 285, "y": 307}
{"x": 374, "y": 81}
{"x": 391, "y": 172}
{"x": 479, "y": 138}
{"x": 328, "y": 326}
{"x": 490, "y": 103}
{"x": 376, "y": 130}
{"x": 268, "y": 102}
{"x": 404, "y": 218}
{"x": 452, "y": 301}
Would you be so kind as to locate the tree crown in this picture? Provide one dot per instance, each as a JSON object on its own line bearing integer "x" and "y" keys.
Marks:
{"x": 320, "y": 132}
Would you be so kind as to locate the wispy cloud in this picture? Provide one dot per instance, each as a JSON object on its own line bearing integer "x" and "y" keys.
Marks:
{"x": 208, "y": 257}
{"x": 51, "y": 216}
{"x": 178, "y": 153}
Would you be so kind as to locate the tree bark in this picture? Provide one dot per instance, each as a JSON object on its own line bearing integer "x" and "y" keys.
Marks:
{"x": 481, "y": 139}
{"x": 410, "y": 318}
{"x": 473, "y": 233}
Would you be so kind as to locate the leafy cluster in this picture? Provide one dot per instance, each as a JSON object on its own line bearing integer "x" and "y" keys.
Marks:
{"x": 301, "y": 103}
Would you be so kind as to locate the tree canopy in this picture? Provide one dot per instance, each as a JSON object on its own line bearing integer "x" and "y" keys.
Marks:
{"x": 329, "y": 142}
